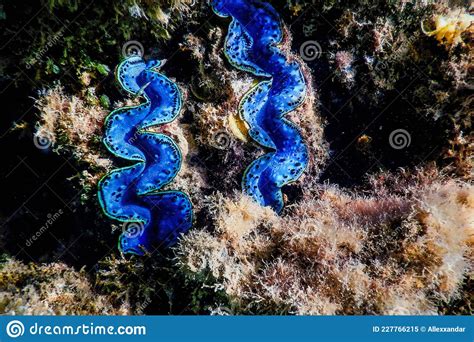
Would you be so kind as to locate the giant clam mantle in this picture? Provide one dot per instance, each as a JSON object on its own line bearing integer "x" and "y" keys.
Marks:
{"x": 252, "y": 46}
{"x": 131, "y": 194}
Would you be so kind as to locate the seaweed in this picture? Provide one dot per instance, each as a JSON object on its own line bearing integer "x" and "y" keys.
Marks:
{"x": 130, "y": 194}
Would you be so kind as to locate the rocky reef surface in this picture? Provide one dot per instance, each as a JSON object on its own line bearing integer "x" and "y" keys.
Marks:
{"x": 381, "y": 221}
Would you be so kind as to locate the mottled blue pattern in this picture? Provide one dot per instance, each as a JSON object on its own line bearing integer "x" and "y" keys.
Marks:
{"x": 130, "y": 194}
{"x": 251, "y": 45}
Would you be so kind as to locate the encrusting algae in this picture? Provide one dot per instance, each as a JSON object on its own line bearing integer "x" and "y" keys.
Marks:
{"x": 336, "y": 253}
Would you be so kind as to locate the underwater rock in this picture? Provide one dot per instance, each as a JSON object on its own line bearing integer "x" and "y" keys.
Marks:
{"x": 51, "y": 289}
{"x": 399, "y": 249}
{"x": 130, "y": 194}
